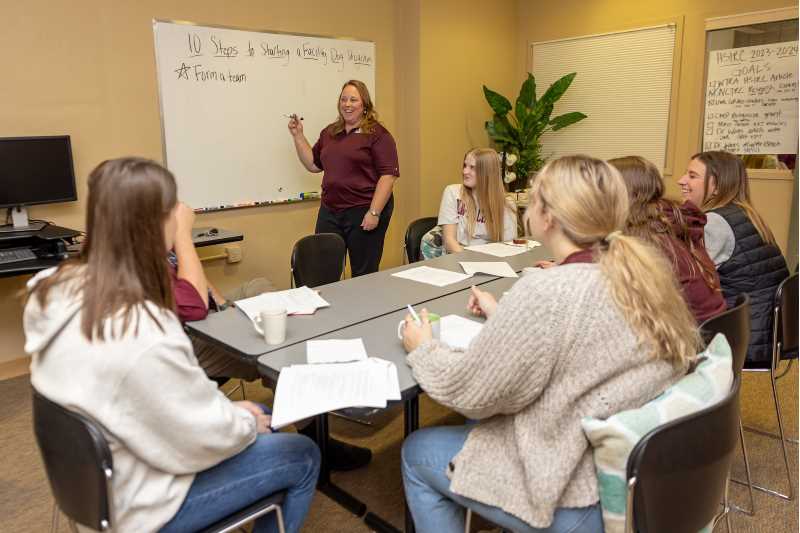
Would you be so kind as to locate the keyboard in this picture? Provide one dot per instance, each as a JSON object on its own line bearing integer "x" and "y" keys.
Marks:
{"x": 15, "y": 255}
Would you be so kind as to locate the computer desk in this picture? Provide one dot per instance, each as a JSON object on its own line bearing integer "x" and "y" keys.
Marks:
{"x": 47, "y": 235}
{"x": 52, "y": 233}
{"x": 354, "y": 302}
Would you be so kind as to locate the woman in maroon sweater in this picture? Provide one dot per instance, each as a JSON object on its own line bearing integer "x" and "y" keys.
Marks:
{"x": 675, "y": 228}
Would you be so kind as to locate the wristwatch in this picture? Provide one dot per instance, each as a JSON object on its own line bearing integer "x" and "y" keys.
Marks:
{"x": 374, "y": 213}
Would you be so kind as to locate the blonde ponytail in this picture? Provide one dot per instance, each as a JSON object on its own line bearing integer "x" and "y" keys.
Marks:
{"x": 588, "y": 198}
{"x": 645, "y": 289}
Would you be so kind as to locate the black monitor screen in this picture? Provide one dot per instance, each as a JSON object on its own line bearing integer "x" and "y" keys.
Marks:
{"x": 36, "y": 170}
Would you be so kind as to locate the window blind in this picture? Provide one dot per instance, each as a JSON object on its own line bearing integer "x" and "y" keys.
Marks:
{"x": 623, "y": 84}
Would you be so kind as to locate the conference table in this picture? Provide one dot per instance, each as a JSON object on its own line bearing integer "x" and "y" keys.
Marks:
{"x": 367, "y": 307}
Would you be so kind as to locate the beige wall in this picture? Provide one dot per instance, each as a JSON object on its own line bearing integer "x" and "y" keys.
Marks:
{"x": 87, "y": 69}
{"x": 542, "y": 21}
{"x": 464, "y": 44}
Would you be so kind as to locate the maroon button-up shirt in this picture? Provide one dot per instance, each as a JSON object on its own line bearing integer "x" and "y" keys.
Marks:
{"x": 353, "y": 163}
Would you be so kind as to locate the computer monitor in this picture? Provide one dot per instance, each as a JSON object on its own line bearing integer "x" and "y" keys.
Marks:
{"x": 34, "y": 170}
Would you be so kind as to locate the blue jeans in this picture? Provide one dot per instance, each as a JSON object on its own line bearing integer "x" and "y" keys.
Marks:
{"x": 274, "y": 462}
{"x": 426, "y": 454}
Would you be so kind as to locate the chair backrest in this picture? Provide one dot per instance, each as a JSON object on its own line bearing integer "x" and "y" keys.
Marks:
{"x": 78, "y": 463}
{"x": 678, "y": 473}
{"x": 318, "y": 259}
{"x": 735, "y": 325}
{"x": 786, "y": 316}
{"x": 414, "y": 234}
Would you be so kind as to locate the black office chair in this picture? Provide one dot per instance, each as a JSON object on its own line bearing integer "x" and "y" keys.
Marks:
{"x": 318, "y": 259}
{"x": 414, "y": 233}
{"x": 678, "y": 473}
{"x": 80, "y": 470}
{"x": 784, "y": 347}
{"x": 735, "y": 325}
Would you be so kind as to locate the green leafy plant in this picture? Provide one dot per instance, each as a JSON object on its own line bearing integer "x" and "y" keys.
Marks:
{"x": 517, "y": 133}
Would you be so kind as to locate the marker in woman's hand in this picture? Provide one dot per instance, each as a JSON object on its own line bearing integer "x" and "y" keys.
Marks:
{"x": 293, "y": 116}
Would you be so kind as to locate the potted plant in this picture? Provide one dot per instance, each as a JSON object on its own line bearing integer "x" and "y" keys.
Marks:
{"x": 517, "y": 134}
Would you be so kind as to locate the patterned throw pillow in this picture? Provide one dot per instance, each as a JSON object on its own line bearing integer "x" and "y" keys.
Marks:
{"x": 614, "y": 438}
{"x": 432, "y": 244}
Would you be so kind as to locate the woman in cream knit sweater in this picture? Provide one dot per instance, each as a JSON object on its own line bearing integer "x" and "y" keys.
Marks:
{"x": 607, "y": 330}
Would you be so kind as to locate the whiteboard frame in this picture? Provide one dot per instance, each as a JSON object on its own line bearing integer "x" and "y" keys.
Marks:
{"x": 238, "y": 28}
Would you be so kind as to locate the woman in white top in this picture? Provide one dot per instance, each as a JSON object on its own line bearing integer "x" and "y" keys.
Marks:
{"x": 477, "y": 212}
{"x": 106, "y": 343}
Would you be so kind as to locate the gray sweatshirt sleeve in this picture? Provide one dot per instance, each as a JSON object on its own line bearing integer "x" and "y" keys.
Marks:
{"x": 173, "y": 417}
{"x": 719, "y": 238}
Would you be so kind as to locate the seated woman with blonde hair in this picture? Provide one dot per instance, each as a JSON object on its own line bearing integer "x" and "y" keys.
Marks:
{"x": 677, "y": 229}
{"x": 475, "y": 211}
{"x": 608, "y": 330}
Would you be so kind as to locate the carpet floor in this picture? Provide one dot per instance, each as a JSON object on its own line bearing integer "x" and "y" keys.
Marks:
{"x": 26, "y": 504}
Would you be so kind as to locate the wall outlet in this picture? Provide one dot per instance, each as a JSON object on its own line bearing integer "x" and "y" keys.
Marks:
{"x": 234, "y": 254}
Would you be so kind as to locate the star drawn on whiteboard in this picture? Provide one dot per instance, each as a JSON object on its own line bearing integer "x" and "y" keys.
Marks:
{"x": 183, "y": 71}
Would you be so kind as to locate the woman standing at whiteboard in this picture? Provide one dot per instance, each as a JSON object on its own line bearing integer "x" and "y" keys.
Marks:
{"x": 359, "y": 159}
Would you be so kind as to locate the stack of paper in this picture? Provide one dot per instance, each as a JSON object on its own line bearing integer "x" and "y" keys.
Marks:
{"x": 335, "y": 351}
{"x": 499, "y": 249}
{"x": 300, "y": 301}
{"x": 494, "y": 268}
{"x": 432, "y": 276}
{"x": 304, "y": 391}
{"x": 457, "y": 331}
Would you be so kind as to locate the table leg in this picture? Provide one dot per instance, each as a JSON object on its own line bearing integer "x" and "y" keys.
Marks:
{"x": 410, "y": 424}
{"x": 411, "y": 420}
{"x": 324, "y": 483}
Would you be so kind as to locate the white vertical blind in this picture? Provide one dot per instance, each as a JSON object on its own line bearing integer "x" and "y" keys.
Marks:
{"x": 623, "y": 84}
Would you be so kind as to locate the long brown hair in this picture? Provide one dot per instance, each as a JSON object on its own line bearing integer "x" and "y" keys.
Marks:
{"x": 489, "y": 193}
{"x": 588, "y": 199}
{"x": 732, "y": 186}
{"x": 124, "y": 255}
{"x": 370, "y": 117}
{"x": 648, "y": 221}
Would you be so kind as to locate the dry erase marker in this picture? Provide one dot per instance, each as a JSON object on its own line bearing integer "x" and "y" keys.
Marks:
{"x": 294, "y": 116}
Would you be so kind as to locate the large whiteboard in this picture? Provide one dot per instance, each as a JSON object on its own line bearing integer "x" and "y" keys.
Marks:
{"x": 224, "y": 93}
{"x": 751, "y": 100}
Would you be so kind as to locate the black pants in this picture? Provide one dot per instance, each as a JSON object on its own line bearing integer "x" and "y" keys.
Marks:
{"x": 365, "y": 248}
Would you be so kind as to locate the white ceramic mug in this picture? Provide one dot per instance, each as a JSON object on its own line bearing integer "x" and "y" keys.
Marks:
{"x": 433, "y": 318}
{"x": 271, "y": 323}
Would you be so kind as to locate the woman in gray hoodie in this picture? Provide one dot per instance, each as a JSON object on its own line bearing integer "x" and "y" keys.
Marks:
{"x": 106, "y": 343}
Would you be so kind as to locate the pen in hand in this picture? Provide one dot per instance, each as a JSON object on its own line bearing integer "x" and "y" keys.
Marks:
{"x": 414, "y": 314}
{"x": 294, "y": 116}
